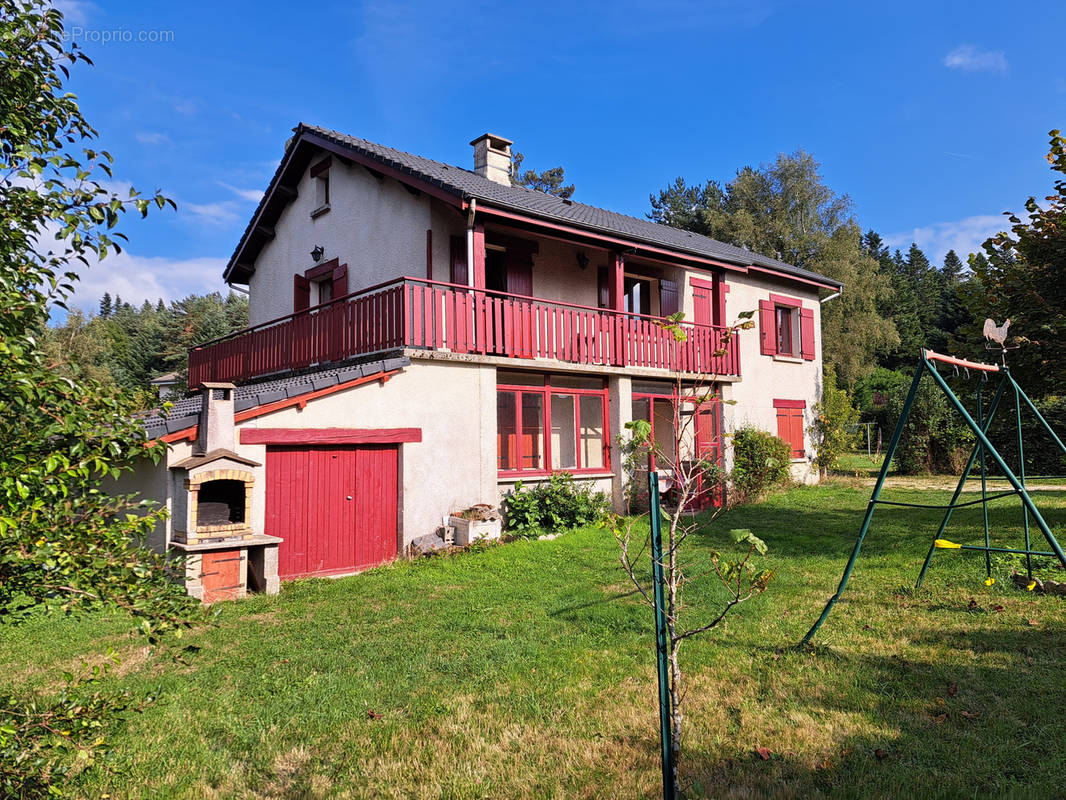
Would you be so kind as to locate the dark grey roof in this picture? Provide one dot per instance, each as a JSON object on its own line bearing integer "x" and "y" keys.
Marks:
{"x": 466, "y": 183}
{"x": 185, "y": 412}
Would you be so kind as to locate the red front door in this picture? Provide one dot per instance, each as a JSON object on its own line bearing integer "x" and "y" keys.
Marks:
{"x": 334, "y": 506}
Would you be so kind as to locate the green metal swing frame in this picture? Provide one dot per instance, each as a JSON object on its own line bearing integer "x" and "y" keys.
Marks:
{"x": 984, "y": 451}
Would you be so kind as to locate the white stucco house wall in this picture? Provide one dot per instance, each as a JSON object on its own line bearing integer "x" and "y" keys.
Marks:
{"x": 423, "y": 335}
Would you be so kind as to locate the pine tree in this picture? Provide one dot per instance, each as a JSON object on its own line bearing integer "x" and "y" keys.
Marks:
{"x": 105, "y": 305}
{"x": 549, "y": 181}
{"x": 952, "y": 269}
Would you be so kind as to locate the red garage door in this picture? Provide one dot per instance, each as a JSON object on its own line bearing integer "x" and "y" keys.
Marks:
{"x": 335, "y": 507}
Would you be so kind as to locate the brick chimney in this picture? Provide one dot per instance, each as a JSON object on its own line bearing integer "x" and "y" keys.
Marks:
{"x": 216, "y": 418}
{"x": 492, "y": 158}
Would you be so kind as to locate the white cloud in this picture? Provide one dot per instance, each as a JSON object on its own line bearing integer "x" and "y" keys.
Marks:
{"x": 972, "y": 59}
{"x": 74, "y": 11}
{"x": 139, "y": 278}
{"x": 964, "y": 236}
{"x": 251, "y": 195}
{"x": 217, "y": 214}
{"x": 151, "y": 137}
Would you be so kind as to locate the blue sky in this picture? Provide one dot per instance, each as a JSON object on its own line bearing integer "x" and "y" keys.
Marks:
{"x": 933, "y": 119}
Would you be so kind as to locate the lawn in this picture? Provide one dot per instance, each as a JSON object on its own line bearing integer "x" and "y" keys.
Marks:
{"x": 526, "y": 671}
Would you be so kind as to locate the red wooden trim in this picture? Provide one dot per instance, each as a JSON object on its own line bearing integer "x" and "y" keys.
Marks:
{"x": 959, "y": 362}
{"x": 429, "y": 254}
{"x": 182, "y": 435}
{"x": 321, "y": 166}
{"x": 700, "y": 283}
{"x": 836, "y": 287}
{"x": 790, "y": 403}
{"x": 330, "y": 435}
{"x": 785, "y": 300}
{"x": 767, "y": 328}
{"x": 301, "y": 293}
{"x": 320, "y": 270}
{"x": 612, "y": 241}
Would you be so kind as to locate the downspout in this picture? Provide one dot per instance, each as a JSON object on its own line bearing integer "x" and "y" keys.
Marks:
{"x": 470, "y": 242}
{"x": 235, "y": 288}
{"x": 837, "y": 293}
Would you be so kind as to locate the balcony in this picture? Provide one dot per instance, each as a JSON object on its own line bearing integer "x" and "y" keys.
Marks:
{"x": 411, "y": 313}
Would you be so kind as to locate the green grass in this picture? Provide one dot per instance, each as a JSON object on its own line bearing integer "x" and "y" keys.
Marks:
{"x": 526, "y": 670}
{"x": 859, "y": 464}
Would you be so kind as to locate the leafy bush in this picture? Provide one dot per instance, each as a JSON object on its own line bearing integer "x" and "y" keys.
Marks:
{"x": 560, "y": 503}
{"x": 760, "y": 463}
{"x": 833, "y": 417}
{"x": 935, "y": 439}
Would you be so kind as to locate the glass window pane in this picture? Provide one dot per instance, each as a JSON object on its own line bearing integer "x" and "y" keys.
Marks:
{"x": 665, "y": 446}
{"x": 564, "y": 441}
{"x": 519, "y": 379}
{"x": 591, "y": 432}
{"x": 576, "y": 382}
{"x": 532, "y": 431}
{"x": 506, "y": 432}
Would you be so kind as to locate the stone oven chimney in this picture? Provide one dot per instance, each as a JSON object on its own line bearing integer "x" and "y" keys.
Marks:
{"x": 492, "y": 158}
{"x": 216, "y": 418}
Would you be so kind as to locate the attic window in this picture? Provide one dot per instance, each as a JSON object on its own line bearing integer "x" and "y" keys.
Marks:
{"x": 320, "y": 175}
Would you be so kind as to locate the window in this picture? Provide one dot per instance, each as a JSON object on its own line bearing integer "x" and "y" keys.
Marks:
{"x": 320, "y": 175}
{"x": 786, "y": 328}
{"x": 785, "y": 337}
{"x": 573, "y": 412}
{"x": 638, "y": 295}
{"x": 790, "y": 424}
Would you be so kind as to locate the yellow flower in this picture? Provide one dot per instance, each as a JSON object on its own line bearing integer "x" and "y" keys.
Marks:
{"x": 989, "y": 581}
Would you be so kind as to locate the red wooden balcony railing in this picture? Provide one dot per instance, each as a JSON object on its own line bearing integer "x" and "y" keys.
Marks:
{"x": 415, "y": 313}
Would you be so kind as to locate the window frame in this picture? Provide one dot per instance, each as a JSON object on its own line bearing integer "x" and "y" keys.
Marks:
{"x": 320, "y": 175}
{"x": 674, "y": 399}
{"x": 546, "y": 390}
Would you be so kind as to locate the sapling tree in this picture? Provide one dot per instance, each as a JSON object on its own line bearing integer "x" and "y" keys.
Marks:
{"x": 65, "y": 546}
{"x": 692, "y": 481}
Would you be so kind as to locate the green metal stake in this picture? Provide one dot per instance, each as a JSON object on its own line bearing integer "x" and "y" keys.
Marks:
{"x": 661, "y": 649}
{"x": 992, "y": 408}
{"x": 1021, "y": 467}
{"x": 1011, "y": 477}
{"x": 873, "y": 501}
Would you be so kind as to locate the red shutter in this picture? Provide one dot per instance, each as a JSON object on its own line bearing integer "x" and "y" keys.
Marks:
{"x": 807, "y": 333}
{"x": 301, "y": 293}
{"x": 604, "y": 288}
{"x": 459, "y": 272}
{"x": 667, "y": 298}
{"x": 767, "y": 328}
{"x": 796, "y": 431}
{"x": 340, "y": 281}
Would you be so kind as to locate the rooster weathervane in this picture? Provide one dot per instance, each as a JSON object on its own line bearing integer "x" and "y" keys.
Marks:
{"x": 997, "y": 335}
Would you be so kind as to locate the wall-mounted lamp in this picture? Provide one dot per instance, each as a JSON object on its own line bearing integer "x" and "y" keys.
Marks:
{"x": 582, "y": 260}
{"x": 317, "y": 252}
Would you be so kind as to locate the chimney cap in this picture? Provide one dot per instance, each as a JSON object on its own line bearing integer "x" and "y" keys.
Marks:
{"x": 495, "y": 142}
{"x": 217, "y": 385}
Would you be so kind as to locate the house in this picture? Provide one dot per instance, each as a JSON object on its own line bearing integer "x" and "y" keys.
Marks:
{"x": 424, "y": 335}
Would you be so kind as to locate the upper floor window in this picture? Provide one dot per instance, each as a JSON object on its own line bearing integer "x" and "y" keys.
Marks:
{"x": 320, "y": 176}
{"x": 786, "y": 328}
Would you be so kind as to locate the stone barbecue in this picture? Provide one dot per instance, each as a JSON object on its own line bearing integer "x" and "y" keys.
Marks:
{"x": 211, "y": 512}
